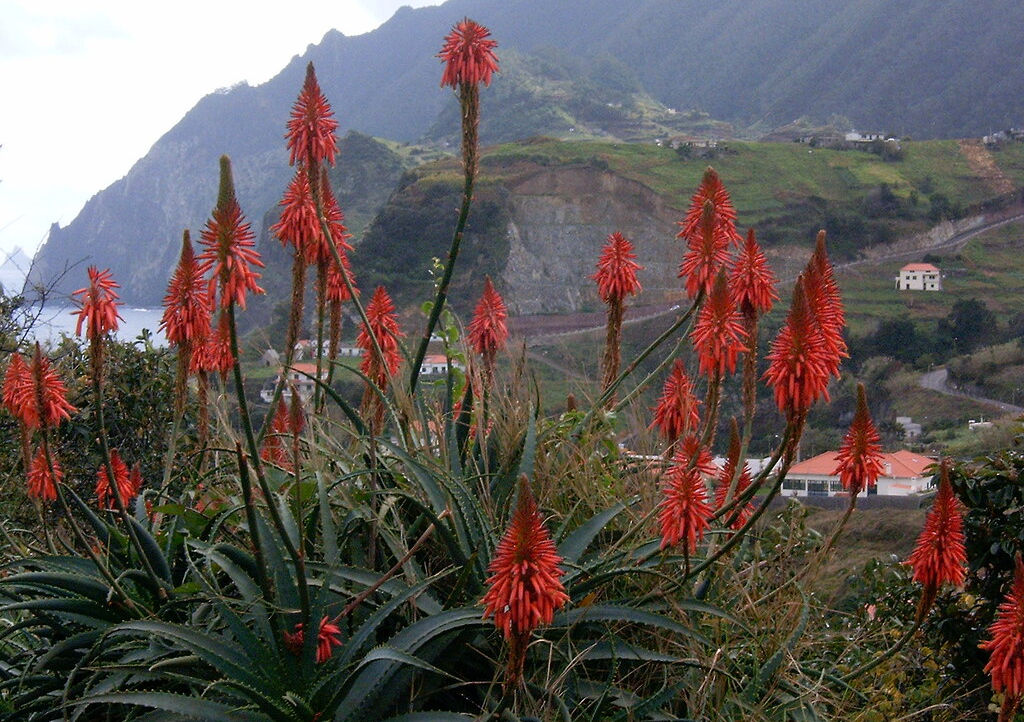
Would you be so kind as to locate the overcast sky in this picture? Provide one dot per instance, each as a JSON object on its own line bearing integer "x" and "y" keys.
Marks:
{"x": 87, "y": 87}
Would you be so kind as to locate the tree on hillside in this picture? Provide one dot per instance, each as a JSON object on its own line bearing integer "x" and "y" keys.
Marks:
{"x": 969, "y": 324}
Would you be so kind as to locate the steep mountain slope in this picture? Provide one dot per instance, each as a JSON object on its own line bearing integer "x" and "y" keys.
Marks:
{"x": 595, "y": 67}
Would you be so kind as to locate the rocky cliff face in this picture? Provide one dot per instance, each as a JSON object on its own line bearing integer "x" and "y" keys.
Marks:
{"x": 560, "y": 219}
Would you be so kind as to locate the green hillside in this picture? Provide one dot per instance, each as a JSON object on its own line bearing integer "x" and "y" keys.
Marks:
{"x": 786, "y": 190}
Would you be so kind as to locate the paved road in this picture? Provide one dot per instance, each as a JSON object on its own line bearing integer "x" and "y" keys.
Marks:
{"x": 938, "y": 380}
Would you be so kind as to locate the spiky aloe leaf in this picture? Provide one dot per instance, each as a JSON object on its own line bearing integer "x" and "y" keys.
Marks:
{"x": 572, "y": 547}
{"x": 190, "y": 707}
{"x": 628, "y": 615}
{"x": 372, "y": 691}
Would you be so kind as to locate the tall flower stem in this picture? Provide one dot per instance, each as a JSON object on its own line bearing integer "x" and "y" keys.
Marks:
{"x": 442, "y": 289}
{"x": 321, "y": 309}
{"x": 254, "y": 454}
{"x": 96, "y": 355}
{"x": 651, "y": 348}
{"x": 612, "y": 347}
{"x": 788, "y": 447}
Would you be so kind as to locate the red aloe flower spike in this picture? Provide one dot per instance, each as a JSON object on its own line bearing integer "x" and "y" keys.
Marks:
{"x": 825, "y": 303}
{"x": 384, "y": 328}
{"x": 860, "y": 456}
{"x": 799, "y": 360}
{"x": 328, "y": 637}
{"x": 311, "y": 126}
{"x": 751, "y": 280}
{"x": 524, "y": 589}
{"x": 128, "y": 483}
{"x": 676, "y": 413}
{"x": 97, "y": 305}
{"x": 35, "y": 395}
{"x": 616, "y": 270}
{"x": 186, "y": 318}
{"x": 337, "y": 291}
{"x": 214, "y": 353}
{"x": 711, "y": 190}
{"x": 1006, "y": 646}
{"x": 299, "y": 224}
{"x": 707, "y": 252}
{"x": 718, "y": 335}
{"x": 737, "y": 519}
{"x": 318, "y": 251}
{"x": 468, "y": 55}
{"x": 17, "y": 384}
{"x": 41, "y": 483}
{"x": 273, "y": 448}
{"x": 230, "y": 248}
{"x": 939, "y": 557}
{"x": 684, "y": 513}
{"x": 487, "y": 330}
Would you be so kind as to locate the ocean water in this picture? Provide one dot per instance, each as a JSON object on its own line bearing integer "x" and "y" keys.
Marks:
{"x": 55, "y": 321}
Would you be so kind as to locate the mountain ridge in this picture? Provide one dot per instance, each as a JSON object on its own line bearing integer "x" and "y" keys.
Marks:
{"x": 922, "y": 67}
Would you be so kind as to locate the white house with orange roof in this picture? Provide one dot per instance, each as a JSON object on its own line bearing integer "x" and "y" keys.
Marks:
{"x": 919, "y": 277}
{"x": 903, "y": 473}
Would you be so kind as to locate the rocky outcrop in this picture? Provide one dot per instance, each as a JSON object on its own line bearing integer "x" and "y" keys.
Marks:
{"x": 560, "y": 219}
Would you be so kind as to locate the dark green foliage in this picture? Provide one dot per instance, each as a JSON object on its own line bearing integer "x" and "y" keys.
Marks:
{"x": 415, "y": 227}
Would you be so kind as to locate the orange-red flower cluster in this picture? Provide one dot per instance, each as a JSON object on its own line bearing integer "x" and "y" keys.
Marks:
{"x": 468, "y": 55}
{"x": 939, "y": 557}
{"x": 35, "y": 395}
{"x": 487, "y": 330}
{"x": 616, "y": 270}
{"x": 751, "y": 280}
{"x": 213, "y": 353}
{"x": 809, "y": 348}
{"x": 799, "y": 361}
{"x": 286, "y": 422}
{"x": 719, "y": 336}
{"x": 186, "y": 318}
{"x": 97, "y": 308}
{"x": 337, "y": 291}
{"x": 524, "y": 588}
{"x": 711, "y": 190}
{"x": 1006, "y": 645}
{"x": 826, "y": 304}
{"x": 128, "y": 483}
{"x": 328, "y": 637}
{"x": 41, "y": 483}
{"x": 741, "y": 516}
{"x": 311, "y": 126}
{"x": 707, "y": 252}
{"x": 299, "y": 224}
{"x": 383, "y": 328}
{"x": 684, "y": 512}
{"x": 319, "y": 251}
{"x": 676, "y": 413}
{"x": 860, "y": 455}
{"x": 230, "y": 247}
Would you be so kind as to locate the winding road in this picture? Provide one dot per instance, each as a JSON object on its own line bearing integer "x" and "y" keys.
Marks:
{"x": 938, "y": 380}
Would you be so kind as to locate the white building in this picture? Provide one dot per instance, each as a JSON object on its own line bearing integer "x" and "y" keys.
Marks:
{"x": 919, "y": 277}
{"x": 904, "y": 473}
{"x": 435, "y": 364}
{"x": 297, "y": 379}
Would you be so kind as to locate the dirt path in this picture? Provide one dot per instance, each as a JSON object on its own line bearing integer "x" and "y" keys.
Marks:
{"x": 982, "y": 164}
{"x": 938, "y": 380}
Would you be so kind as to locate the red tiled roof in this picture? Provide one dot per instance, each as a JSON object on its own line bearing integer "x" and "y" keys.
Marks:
{"x": 901, "y": 464}
{"x": 927, "y": 267}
